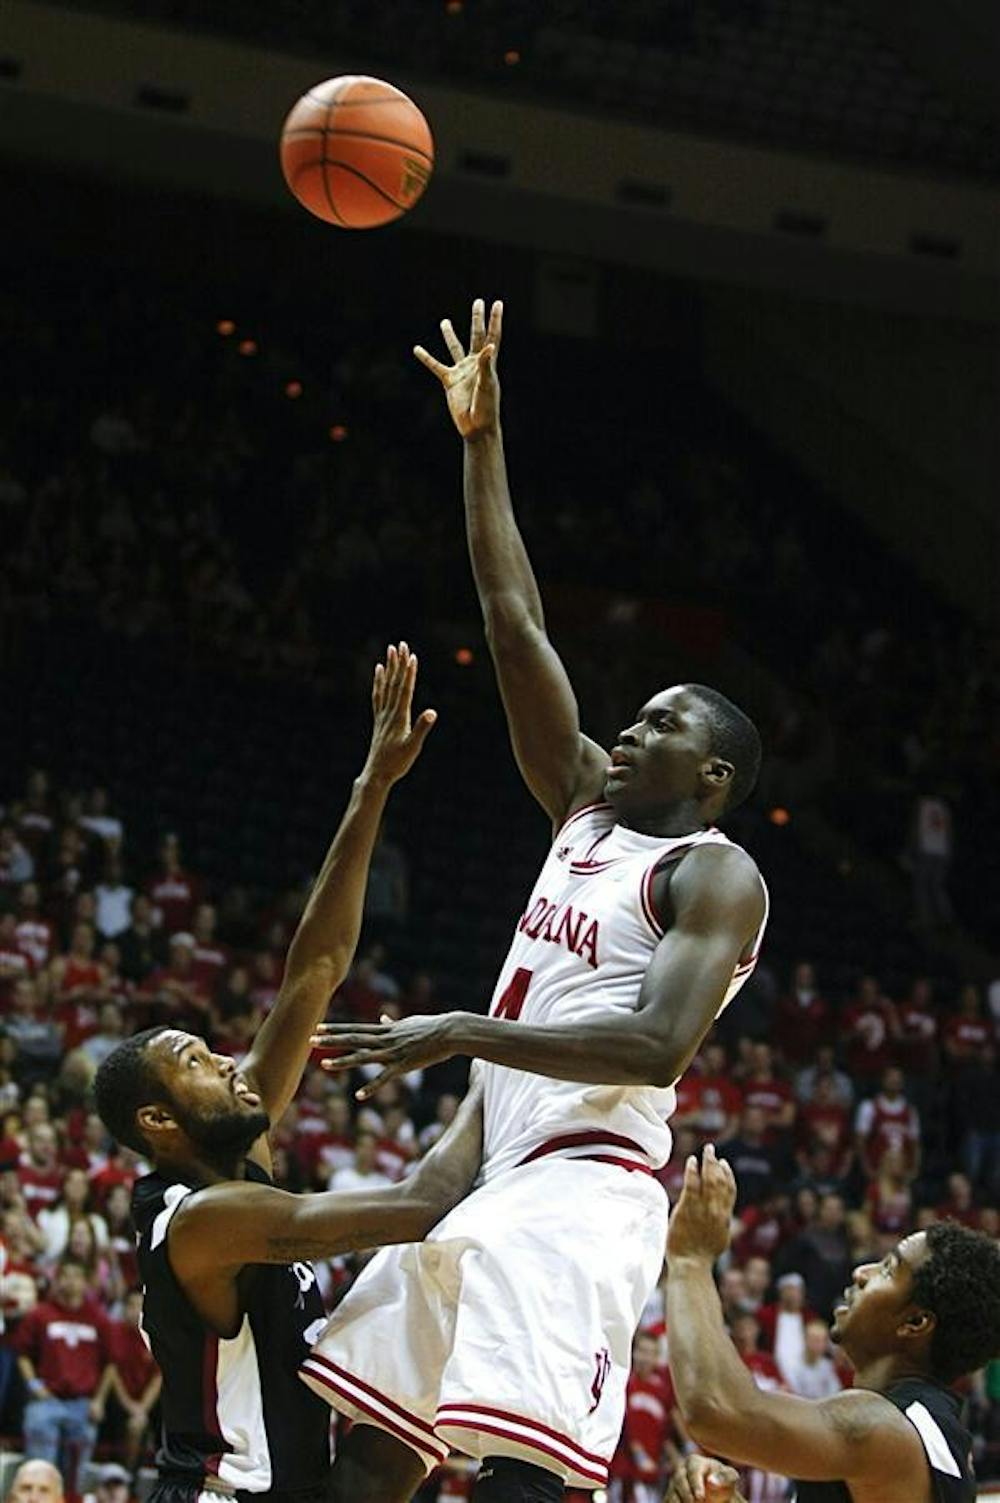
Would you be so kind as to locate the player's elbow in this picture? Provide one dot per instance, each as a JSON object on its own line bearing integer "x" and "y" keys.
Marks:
{"x": 710, "y": 1424}
{"x": 507, "y": 619}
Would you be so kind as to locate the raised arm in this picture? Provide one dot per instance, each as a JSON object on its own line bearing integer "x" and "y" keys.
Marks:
{"x": 563, "y": 768}
{"x": 324, "y": 942}
{"x": 717, "y": 901}
{"x": 856, "y": 1437}
{"x": 227, "y": 1226}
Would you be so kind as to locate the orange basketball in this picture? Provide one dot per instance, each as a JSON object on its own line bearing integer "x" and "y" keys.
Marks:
{"x": 357, "y": 152}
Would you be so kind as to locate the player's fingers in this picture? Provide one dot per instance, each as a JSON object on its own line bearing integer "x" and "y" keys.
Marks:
{"x": 495, "y": 330}
{"x": 378, "y": 687}
{"x": 452, "y": 340}
{"x": 365, "y": 1091}
{"x": 346, "y": 1031}
{"x": 477, "y": 329}
{"x": 422, "y": 728}
{"x": 436, "y": 367}
{"x": 342, "y": 1062}
{"x": 692, "y": 1179}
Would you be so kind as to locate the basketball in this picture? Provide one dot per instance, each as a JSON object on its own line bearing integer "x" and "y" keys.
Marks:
{"x": 356, "y": 152}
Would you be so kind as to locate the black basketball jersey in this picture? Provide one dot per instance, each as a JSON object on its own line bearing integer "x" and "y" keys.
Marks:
{"x": 933, "y": 1412}
{"x": 234, "y": 1409}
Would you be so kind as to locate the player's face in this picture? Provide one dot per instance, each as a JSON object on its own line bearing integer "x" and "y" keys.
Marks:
{"x": 208, "y": 1098}
{"x": 867, "y": 1320}
{"x": 658, "y": 761}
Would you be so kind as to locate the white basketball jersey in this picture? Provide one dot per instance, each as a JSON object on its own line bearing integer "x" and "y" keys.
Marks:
{"x": 580, "y": 951}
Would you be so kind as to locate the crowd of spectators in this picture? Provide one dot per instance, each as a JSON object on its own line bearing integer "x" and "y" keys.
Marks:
{"x": 198, "y": 508}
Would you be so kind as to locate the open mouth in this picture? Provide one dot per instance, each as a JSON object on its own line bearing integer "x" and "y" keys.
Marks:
{"x": 243, "y": 1093}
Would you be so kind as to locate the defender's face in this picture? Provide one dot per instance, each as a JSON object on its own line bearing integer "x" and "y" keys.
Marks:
{"x": 869, "y": 1314}
{"x": 657, "y": 762}
{"x": 206, "y": 1094}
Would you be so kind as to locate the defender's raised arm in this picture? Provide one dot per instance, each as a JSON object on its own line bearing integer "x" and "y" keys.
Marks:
{"x": 563, "y": 768}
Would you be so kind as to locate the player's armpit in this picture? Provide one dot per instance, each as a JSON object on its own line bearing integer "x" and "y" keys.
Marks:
{"x": 856, "y": 1436}
{"x": 717, "y": 902}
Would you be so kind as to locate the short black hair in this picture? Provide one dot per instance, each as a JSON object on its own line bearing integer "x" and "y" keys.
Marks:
{"x": 125, "y": 1081}
{"x": 735, "y": 738}
{"x": 959, "y": 1282}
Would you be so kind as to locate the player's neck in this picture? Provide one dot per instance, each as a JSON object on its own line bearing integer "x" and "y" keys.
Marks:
{"x": 687, "y": 818}
{"x": 198, "y": 1171}
{"x": 882, "y": 1373}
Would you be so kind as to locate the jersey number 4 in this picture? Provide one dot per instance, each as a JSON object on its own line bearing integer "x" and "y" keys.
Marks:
{"x": 512, "y": 1001}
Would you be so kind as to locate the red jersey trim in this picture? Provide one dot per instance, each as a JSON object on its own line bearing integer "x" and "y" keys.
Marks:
{"x": 493, "y": 1421}
{"x": 313, "y": 1369}
{"x": 587, "y": 809}
{"x": 589, "y": 1138}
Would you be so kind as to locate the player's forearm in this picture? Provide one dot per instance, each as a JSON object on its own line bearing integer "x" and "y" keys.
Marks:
{"x": 344, "y": 1221}
{"x": 715, "y": 1391}
{"x": 614, "y": 1051}
{"x": 505, "y": 580}
{"x": 331, "y": 923}
{"x": 445, "y": 1174}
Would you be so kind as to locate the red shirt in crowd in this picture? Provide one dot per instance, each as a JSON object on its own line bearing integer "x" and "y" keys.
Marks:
{"x": 718, "y": 1100}
{"x": 639, "y": 1457}
{"x": 68, "y": 1348}
{"x": 174, "y": 895}
{"x": 41, "y": 1188}
{"x": 772, "y": 1095}
{"x": 969, "y": 1038}
{"x": 802, "y": 1026}
{"x": 826, "y": 1125}
{"x": 890, "y": 1207}
{"x": 884, "y": 1123}
{"x": 210, "y": 964}
{"x": 35, "y": 938}
{"x": 870, "y": 1028}
{"x": 131, "y": 1356}
{"x": 918, "y": 1050}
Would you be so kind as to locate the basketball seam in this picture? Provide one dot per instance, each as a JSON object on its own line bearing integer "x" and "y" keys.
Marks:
{"x": 358, "y": 135}
{"x": 327, "y": 192}
{"x": 349, "y": 167}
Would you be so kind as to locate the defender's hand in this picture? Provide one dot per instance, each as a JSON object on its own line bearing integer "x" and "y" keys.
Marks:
{"x": 702, "y": 1479}
{"x": 395, "y": 744}
{"x": 471, "y": 384}
{"x": 410, "y": 1044}
{"x": 701, "y": 1220}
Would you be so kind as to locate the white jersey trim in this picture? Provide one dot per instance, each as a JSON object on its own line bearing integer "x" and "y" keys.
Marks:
{"x": 934, "y": 1443}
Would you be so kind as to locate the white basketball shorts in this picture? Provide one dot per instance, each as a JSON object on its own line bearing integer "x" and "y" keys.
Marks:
{"x": 509, "y": 1330}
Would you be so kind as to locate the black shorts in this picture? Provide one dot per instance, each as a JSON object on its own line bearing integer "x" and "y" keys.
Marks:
{"x": 185, "y": 1490}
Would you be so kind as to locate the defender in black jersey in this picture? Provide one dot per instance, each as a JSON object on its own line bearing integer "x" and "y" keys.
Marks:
{"x": 911, "y": 1325}
{"x": 230, "y": 1300}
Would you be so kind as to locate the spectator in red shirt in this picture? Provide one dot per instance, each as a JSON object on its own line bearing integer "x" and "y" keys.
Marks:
{"x": 960, "y": 1205}
{"x": 918, "y": 1026}
{"x": 136, "y": 1382}
{"x": 173, "y": 892}
{"x": 718, "y": 1099}
{"x": 638, "y": 1466}
{"x": 802, "y": 1018}
{"x": 211, "y": 959}
{"x": 34, "y": 934}
{"x": 888, "y": 1120}
{"x": 64, "y": 1360}
{"x": 824, "y": 1123}
{"x": 870, "y": 1029}
{"x": 174, "y": 992}
{"x": 783, "y": 1323}
{"x": 763, "y": 1088}
{"x": 968, "y": 1035}
{"x": 39, "y": 1172}
{"x": 889, "y": 1199}
{"x": 15, "y": 963}
{"x": 79, "y": 983}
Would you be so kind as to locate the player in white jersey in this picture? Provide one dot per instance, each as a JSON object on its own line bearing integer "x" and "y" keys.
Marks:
{"x": 508, "y": 1333}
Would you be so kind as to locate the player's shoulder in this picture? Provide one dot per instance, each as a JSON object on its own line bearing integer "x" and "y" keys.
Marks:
{"x": 872, "y": 1422}
{"x": 714, "y": 861}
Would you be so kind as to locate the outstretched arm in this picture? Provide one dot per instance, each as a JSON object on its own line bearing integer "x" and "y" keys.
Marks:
{"x": 324, "y": 942}
{"x": 857, "y": 1436}
{"x": 226, "y": 1226}
{"x": 717, "y": 901}
{"x": 563, "y": 768}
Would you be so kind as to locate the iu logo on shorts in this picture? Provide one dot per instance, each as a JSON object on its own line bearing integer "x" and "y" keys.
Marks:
{"x": 602, "y": 1366}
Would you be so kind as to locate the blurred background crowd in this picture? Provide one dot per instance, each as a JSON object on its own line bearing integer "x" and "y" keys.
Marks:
{"x": 224, "y": 485}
